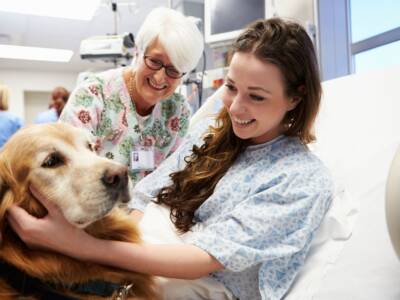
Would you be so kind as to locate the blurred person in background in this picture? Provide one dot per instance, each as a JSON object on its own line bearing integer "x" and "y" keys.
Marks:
{"x": 59, "y": 97}
{"x": 9, "y": 123}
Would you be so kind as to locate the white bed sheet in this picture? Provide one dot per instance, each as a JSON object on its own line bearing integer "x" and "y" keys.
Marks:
{"x": 358, "y": 133}
{"x": 367, "y": 268}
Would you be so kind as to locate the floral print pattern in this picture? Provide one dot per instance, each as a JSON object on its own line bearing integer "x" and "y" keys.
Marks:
{"x": 173, "y": 123}
{"x": 84, "y": 116}
{"x": 101, "y": 105}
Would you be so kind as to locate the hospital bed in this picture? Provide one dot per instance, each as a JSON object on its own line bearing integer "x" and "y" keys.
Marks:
{"x": 358, "y": 132}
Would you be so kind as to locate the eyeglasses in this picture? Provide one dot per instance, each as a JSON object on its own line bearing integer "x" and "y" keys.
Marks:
{"x": 156, "y": 64}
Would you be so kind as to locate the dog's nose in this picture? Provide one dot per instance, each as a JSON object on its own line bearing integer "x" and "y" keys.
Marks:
{"x": 115, "y": 178}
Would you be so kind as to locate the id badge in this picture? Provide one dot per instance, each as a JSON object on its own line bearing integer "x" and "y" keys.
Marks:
{"x": 142, "y": 158}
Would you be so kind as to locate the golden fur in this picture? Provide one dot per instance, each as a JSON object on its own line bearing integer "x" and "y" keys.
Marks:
{"x": 75, "y": 185}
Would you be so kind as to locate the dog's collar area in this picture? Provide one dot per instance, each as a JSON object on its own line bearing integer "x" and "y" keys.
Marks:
{"x": 27, "y": 285}
{"x": 101, "y": 288}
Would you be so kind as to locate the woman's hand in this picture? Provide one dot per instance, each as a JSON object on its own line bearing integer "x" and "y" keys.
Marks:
{"x": 50, "y": 232}
{"x": 53, "y": 232}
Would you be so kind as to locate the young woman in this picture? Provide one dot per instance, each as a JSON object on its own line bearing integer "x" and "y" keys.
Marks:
{"x": 247, "y": 194}
{"x": 137, "y": 107}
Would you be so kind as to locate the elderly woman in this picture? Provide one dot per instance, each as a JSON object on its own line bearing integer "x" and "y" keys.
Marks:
{"x": 133, "y": 112}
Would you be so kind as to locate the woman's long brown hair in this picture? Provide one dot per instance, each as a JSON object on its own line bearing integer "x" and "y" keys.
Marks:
{"x": 204, "y": 168}
{"x": 284, "y": 44}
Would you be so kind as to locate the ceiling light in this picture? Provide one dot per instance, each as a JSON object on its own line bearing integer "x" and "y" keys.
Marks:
{"x": 35, "y": 53}
{"x": 69, "y": 9}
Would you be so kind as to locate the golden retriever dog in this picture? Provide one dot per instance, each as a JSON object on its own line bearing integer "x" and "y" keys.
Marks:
{"x": 58, "y": 162}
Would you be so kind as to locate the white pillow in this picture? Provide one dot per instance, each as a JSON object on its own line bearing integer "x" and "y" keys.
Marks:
{"x": 367, "y": 268}
{"x": 328, "y": 242}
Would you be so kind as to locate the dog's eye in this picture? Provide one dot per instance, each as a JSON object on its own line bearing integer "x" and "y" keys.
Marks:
{"x": 53, "y": 160}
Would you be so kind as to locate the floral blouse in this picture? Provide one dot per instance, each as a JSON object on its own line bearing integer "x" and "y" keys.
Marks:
{"x": 102, "y": 105}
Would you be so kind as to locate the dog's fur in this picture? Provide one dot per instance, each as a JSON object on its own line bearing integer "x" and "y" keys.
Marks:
{"x": 57, "y": 160}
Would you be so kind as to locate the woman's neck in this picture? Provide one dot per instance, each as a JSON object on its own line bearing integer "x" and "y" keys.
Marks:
{"x": 142, "y": 108}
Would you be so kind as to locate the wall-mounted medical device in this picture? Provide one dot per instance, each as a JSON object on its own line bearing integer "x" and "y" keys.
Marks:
{"x": 107, "y": 47}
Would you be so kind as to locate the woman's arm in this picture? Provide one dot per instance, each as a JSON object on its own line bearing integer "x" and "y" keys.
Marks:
{"x": 51, "y": 232}
{"x": 177, "y": 261}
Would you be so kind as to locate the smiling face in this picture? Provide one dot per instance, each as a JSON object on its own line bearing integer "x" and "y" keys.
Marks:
{"x": 57, "y": 160}
{"x": 152, "y": 86}
{"x": 254, "y": 96}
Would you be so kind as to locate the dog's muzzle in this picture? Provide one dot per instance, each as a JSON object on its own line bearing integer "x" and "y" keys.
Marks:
{"x": 116, "y": 178}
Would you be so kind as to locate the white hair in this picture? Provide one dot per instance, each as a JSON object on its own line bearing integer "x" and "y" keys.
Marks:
{"x": 177, "y": 33}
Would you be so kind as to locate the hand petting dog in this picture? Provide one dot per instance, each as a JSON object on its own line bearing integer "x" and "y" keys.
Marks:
{"x": 52, "y": 181}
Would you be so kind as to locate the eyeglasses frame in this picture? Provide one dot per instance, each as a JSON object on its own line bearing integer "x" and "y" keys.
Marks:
{"x": 162, "y": 65}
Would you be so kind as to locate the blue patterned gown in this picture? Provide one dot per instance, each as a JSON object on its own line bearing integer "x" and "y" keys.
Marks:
{"x": 261, "y": 218}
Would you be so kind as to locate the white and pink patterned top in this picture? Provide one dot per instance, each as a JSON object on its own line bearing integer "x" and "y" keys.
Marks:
{"x": 102, "y": 105}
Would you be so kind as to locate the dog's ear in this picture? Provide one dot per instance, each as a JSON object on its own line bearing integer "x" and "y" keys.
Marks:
{"x": 3, "y": 190}
{"x": 3, "y": 185}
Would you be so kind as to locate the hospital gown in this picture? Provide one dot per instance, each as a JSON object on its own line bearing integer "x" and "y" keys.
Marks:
{"x": 260, "y": 220}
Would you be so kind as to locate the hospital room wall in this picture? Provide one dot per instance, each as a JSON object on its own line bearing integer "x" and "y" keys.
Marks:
{"x": 303, "y": 11}
{"x": 20, "y": 82}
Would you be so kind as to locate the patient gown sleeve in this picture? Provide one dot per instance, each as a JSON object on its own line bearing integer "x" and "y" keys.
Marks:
{"x": 270, "y": 230}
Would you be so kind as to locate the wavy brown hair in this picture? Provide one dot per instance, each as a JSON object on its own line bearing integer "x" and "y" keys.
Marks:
{"x": 284, "y": 44}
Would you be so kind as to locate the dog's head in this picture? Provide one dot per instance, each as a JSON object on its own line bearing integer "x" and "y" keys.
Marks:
{"x": 59, "y": 163}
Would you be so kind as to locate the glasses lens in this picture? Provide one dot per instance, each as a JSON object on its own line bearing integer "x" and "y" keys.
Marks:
{"x": 152, "y": 63}
{"x": 173, "y": 73}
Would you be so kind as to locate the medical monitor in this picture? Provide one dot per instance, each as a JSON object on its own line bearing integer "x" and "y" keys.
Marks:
{"x": 225, "y": 19}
